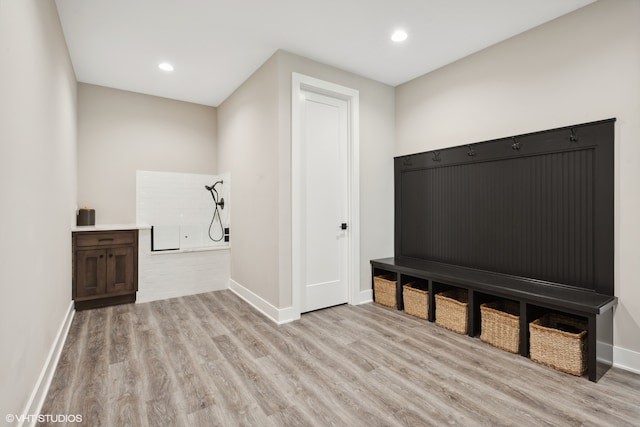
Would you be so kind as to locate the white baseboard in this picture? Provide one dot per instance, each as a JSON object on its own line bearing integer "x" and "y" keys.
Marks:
{"x": 628, "y": 360}
{"x": 39, "y": 394}
{"x": 277, "y": 315}
{"x": 364, "y": 297}
{"x": 287, "y": 314}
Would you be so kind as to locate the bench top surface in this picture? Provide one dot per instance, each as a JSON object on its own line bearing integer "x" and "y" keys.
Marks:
{"x": 502, "y": 285}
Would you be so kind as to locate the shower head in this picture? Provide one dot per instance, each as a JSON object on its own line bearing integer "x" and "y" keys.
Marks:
{"x": 214, "y": 194}
{"x": 213, "y": 187}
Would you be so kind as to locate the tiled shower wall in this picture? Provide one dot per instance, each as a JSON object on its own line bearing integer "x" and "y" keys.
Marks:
{"x": 163, "y": 275}
{"x": 179, "y": 199}
{"x": 167, "y": 199}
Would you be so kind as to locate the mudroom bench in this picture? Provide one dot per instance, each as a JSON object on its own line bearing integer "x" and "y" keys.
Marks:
{"x": 534, "y": 296}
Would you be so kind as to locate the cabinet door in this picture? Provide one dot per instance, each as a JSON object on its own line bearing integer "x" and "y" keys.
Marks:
{"x": 120, "y": 274}
{"x": 91, "y": 266}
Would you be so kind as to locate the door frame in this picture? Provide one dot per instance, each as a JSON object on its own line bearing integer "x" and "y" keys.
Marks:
{"x": 300, "y": 83}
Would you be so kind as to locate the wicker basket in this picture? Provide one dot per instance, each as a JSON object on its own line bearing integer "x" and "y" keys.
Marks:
{"x": 501, "y": 325}
{"x": 451, "y": 310}
{"x": 416, "y": 301}
{"x": 560, "y": 342}
{"x": 384, "y": 288}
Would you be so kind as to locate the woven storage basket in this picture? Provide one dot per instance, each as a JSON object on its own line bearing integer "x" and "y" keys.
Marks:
{"x": 560, "y": 342}
{"x": 416, "y": 301}
{"x": 501, "y": 325}
{"x": 384, "y": 288}
{"x": 451, "y": 310}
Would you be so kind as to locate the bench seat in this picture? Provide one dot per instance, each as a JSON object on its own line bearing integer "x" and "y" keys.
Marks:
{"x": 533, "y": 296}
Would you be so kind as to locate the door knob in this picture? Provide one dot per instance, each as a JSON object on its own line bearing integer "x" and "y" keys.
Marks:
{"x": 343, "y": 226}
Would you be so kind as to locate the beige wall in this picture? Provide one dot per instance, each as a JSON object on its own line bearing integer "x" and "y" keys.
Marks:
{"x": 120, "y": 132}
{"x": 38, "y": 178}
{"x": 247, "y": 148}
{"x": 582, "y": 67}
{"x": 255, "y": 146}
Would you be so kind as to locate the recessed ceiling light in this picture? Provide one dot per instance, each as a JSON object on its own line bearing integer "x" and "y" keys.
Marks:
{"x": 399, "y": 36}
{"x": 165, "y": 66}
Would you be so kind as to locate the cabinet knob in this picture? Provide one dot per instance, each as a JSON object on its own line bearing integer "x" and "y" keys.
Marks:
{"x": 110, "y": 255}
{"x": 101, "y": 256}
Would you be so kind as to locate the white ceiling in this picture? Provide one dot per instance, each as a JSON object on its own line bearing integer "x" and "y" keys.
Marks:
{"x": 215, "y": 45}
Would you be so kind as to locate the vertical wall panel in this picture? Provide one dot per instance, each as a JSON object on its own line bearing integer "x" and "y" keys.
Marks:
{"x": 530, "y": 213}
{"x": 414, "y": 211}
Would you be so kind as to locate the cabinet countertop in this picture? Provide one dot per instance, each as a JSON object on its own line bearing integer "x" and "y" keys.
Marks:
{"x": 110, "y": 227}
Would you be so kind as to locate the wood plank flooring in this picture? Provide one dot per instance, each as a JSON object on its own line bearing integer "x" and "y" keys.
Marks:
{"x": 212, "y": 360}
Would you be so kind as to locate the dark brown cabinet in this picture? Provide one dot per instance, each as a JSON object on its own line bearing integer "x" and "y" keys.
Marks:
{"x": 105, "y": 268}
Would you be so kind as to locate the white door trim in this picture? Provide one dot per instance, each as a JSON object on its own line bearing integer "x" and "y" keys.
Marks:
{"x": 299, "y": 83}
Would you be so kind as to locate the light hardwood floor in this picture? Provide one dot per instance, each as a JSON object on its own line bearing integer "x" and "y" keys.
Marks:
{"x": 211, "y": 359}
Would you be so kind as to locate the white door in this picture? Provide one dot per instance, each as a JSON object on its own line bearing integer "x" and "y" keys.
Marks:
{"x": 324, "y": 205}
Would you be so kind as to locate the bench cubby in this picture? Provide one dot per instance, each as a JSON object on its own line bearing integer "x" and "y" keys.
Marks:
{"x": 534, "y": 296}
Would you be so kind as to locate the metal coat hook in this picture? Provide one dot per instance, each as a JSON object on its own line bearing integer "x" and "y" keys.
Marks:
{"x": 574, "y": 136}
{"x": 516, "y": 144}
{"x": 471, "y": 152}
{"x": 436, "y": 156}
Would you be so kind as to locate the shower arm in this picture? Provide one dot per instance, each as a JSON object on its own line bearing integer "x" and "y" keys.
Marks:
{"x": 215, "y": 195}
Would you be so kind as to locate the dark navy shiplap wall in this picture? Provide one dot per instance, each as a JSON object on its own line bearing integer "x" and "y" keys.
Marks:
{"x": 538, "y": 206}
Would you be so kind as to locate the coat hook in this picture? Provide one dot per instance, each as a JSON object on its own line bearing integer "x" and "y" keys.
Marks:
{"x": 471, "y": 152}
{"x": 436, "y": 156}
{"x": 516, "y": 144}
{"x": 574, "y": 136}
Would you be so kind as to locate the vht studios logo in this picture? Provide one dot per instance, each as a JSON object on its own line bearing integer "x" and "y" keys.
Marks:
{"x": 44, "y": 418}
